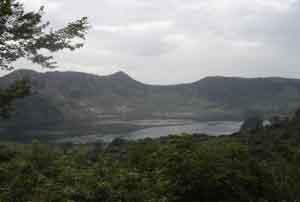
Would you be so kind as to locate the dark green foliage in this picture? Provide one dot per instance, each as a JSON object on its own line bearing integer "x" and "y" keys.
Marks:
{"x": 254, "y": 165}
{"x": 19, "y": 89}
{"x": 253, "y": 123}
{"x": 24, "y": 35}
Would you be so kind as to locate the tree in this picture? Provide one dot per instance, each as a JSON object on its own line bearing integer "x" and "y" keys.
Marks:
{"x": 19, "y": 89}
{"x": 252, "y": 123}
{"x": 24, "y": 34}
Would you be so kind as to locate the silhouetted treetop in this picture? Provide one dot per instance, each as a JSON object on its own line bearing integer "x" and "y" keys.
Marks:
{"x": 25, "y": 35}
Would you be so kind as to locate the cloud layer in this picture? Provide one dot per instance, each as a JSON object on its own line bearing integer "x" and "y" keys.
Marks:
{"x": 174, "y": 41}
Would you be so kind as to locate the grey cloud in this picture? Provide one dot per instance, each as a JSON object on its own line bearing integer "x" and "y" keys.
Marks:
{"x": 189, "y": 38}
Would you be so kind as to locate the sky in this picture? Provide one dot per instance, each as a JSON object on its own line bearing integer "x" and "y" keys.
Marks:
{"x": 179, "y": 41}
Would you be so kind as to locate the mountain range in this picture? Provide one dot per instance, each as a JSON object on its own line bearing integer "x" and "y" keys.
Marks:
{"x": 80, "y": 99}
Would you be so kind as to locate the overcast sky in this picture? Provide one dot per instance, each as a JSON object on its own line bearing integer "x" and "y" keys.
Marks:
{"x": 175, "y": 41}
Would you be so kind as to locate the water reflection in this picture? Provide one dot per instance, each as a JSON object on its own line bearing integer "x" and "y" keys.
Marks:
{"x": 211, "y": 128}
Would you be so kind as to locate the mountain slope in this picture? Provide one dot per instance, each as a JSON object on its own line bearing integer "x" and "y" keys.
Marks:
{"x": 65, "y": 98}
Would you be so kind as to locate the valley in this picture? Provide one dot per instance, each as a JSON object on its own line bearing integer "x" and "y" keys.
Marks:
{"x": 73, "y": 104}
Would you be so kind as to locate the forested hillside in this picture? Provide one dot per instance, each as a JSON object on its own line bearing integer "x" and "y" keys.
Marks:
{"x": 68, "y": 97}
{"x": 253, "y": 165}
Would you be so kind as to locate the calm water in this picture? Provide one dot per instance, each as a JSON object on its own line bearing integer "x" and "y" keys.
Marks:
{"x": 211, "y": 128}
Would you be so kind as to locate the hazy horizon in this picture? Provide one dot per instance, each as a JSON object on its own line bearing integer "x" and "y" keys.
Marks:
{"x": 177, "y": 41}
{"x": 147, "y": 83}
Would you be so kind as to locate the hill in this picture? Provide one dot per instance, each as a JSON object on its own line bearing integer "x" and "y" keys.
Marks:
{"x": 68, "y": 99}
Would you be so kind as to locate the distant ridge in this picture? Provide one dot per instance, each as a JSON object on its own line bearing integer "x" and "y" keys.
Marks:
{"x": 123, "y": 75}
{"x": 120, "y": 75}
{"x": 66, "y": 98}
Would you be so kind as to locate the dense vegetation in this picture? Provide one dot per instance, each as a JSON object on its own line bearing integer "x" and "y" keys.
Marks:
{"x": 260, "y": 164}
{"x": 255, "y": 165}
{"x": 25, "y": 34}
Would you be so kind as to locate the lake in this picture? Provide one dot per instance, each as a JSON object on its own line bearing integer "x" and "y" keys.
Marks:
{"x": 161, "y": 128}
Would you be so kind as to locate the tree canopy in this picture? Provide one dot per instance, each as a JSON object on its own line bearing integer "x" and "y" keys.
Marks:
{"x": 24, "y": 34}
{"x": 254, "y": 165}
